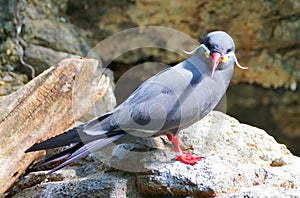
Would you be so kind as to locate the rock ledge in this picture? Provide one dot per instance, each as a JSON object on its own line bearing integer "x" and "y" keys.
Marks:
{"x": 240, "y": 160}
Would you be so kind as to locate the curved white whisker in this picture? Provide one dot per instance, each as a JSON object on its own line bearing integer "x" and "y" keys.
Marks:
{"x": 194, "y": 50}
{"x": 237, "y": 63}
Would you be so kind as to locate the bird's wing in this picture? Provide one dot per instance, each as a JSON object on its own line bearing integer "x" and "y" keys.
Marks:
{"x": 156, "y": 105}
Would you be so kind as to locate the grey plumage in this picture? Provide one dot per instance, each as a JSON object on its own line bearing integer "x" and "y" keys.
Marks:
{"x": 167, "y": 102}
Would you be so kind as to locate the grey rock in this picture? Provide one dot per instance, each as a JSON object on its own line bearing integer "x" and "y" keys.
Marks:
{"x": 44, "y": 56}
{"x": 84, "y": 187}
{"x": 57, "y": 35}
{"x": 240, "y": 160}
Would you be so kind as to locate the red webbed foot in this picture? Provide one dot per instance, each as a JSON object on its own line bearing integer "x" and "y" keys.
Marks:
{"x": 188, "y": 158}
{"x": 184, "y": 156}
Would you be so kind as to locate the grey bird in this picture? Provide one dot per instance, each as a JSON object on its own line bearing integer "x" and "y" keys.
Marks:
{"x": 164, "y": 104}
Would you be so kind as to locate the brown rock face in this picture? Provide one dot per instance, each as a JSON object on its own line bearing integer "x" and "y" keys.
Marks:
{"x": 43, "y": 108}
{"x": 266, "y": 33}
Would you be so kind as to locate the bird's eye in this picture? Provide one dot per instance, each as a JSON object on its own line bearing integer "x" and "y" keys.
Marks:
{"x": 229, "y": 50}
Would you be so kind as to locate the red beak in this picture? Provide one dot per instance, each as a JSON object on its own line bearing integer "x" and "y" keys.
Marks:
{"x": 215, "y": 58}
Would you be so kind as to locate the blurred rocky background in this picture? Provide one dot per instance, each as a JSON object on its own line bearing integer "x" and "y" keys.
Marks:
{"x": 267, "y": 36}
{"x": 266, "y": 33}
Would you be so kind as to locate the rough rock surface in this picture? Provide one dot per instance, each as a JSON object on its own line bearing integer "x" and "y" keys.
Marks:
{"x": 46, "y": 36}
{"x": 240, "y": 160}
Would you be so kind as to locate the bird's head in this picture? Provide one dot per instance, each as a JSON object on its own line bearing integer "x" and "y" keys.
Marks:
{"x": 218, "y": 48}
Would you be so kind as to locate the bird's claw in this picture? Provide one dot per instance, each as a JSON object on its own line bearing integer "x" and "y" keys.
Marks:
{"x": 188, "y": 158}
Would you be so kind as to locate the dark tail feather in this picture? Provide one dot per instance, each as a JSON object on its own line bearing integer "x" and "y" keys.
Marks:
{"x": 75, "y": 135}
{"x": 81, "y": 151}
{"x": 69, "y": 137}
{"x": 59, "y": 156}
{"x": 86, "y": 138}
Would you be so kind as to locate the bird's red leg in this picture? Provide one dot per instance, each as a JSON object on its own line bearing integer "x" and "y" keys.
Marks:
{"x": 184, "y": 156}
{"x": 175, "y": 142}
